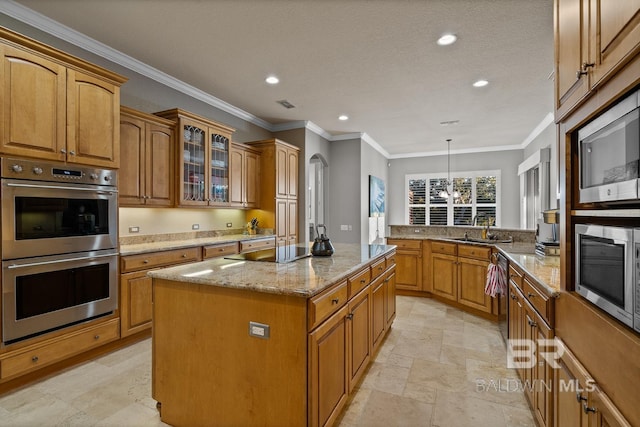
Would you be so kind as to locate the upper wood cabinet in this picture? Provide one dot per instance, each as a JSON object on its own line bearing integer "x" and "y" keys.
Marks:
{"x": 202, "y": 171}
{"x": 57, "y": 107}
{"x": 594, "y": 39}
{"x": 244, "y": 165}
{"x": 146, "y": 160}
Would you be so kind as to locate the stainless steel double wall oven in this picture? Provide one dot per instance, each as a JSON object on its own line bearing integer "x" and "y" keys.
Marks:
{"x": 59, "y": 246}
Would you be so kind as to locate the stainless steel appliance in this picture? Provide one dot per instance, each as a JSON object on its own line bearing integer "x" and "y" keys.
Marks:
{"x": 59, "y": 246}
{"x": 608, "y": 270}
{"x": 609, "y": 154}
{"x": 547, "y": 242}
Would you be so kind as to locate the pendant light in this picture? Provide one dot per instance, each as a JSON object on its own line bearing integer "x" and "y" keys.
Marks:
{"x": 449, "y": 184}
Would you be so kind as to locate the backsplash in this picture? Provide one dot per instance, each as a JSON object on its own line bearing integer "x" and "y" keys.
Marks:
{"x": 518, "y": 235}
{"x": 166, "y": 237}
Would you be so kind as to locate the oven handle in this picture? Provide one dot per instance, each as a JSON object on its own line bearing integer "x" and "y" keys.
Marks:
{"x": 34, "y": 264}
{"x": 55, "y": 187}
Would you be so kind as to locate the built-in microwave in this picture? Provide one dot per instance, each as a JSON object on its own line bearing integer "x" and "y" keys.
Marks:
{"x": 609, "y": 154}
{"x": 608, "y": 270}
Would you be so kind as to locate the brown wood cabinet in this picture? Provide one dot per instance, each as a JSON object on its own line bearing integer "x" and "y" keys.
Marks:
{"x": 135, "y": 286}
{"x": 578, "y": 400}
{"x": 278, "y": 189}
{"x": 409, "y": 262}
{"x": 146, "y": 161}
{"x": 594, "y": 39}
{"x": 359, "y": 336}
{"x": 57, "y": 107}
{"x": 244, "y": 166}
{"x": 202, "y": 171}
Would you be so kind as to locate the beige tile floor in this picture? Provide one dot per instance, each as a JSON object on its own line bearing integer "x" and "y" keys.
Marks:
{"x": 437, "y": 367}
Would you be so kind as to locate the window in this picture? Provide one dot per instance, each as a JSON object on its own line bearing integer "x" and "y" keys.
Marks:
{"x": 477, "y": 194}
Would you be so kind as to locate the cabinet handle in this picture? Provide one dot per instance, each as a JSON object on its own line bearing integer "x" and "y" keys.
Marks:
{"x": 221, "y": 250}
{"x": 35, "y": 359}
{"x": 580, "y": 398}
{"x": 350, "y": 316}
{"x": 73, "y": 153}
{"x": 513, "y": 297}
{"x": 96, "y": 337}
{"x": 335, "y": 301}
{"x": 532, "y": 323}
{"x": 184, "y": 255}
{"x": 63, "y": 151}
{"x": 363, "y": 281}
{"x": 146, "y": 261}
{"x": 588, "y": 409}
{"x": 530, "y": 295}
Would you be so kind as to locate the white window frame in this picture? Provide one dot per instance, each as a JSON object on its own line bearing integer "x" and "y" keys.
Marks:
{"x": 464, "y": 174}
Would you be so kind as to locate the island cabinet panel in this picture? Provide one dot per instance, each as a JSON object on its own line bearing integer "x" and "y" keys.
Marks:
{"x": 378, "y": 319}
{"x": 390, "y": 296}
{"x": 208, "y": 369}
{"x": 359, "y": 336}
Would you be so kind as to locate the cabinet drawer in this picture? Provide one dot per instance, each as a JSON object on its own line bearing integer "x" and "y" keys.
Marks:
{"x": 406, "y": 244}
{"x": 515, "y": 276}
{"x": 378, "y": 268}
{"x": 327, "y": 303}
{"x": 254, "y": 245}
{"x": 359, "y": 281}
{"x": 158, "y": 259}
{"x": 444, "y": 248}
{"x": 472, "y": 251}
{"x": 538, "y": 300}
{"x": 391, "y": 259}
{"x": 221, "y": 249}
{"x": 58, "y": 349}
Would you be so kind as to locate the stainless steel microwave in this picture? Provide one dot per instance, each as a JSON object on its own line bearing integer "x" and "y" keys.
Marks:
{"x": 608, "y": 270}
{"x": 609, "y": 154}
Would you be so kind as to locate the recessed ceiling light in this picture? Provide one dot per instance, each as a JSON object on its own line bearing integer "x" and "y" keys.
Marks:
{"x": 272, "y": 80}
{"x": 343, "y": 117}
{"x": 447, "y": 39}
{"x": 480, "y": 83}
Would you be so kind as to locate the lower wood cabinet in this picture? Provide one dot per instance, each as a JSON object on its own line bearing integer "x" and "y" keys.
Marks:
{"x": 359, "y": 336}
{"x": 135, "y": 286}
{"x": 444, "y": 270}
{"x": 578, "y": 400}
{"x": 409, "y": 262}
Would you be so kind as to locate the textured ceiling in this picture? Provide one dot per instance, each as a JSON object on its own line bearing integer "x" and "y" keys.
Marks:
{"x": 375, "y": 61}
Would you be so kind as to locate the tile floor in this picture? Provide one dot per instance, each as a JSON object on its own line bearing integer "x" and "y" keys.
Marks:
{"x": 437, "y": 367}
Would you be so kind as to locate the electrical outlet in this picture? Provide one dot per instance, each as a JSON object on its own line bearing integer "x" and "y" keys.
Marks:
{"x": 344, "y": 227}
{"x": 259, "y": 330}
{"x": 229, "y": 225}
{"x": 417, "y": 230}
{"x": 195, "y": 226}
{"x": 134, "y": 229}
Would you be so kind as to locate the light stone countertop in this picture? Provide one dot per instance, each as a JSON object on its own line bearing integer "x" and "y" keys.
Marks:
{"x": 304, "y": 278}
{"x": 140, "y": 248}
{"x": 544, "y": 269}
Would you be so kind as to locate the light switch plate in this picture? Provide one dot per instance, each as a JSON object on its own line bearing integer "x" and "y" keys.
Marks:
{"x": 134, "y": 229}
{"x": 259, "y": 330}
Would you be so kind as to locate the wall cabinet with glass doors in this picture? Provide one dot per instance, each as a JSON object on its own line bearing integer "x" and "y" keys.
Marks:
{"x": 203, "y": 160}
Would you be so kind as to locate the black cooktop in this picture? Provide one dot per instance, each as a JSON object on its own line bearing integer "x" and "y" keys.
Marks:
{"x": 281, "y": 254}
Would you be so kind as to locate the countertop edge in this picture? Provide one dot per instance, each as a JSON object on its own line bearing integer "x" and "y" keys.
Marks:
{"x": 142, "y": 248}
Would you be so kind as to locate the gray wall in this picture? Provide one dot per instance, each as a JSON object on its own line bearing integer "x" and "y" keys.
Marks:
{"x": 506, "y": 161}
{"x": 548, "y": 138}
{"x": 345, "y": 186}
{"x": 371, "y": 163}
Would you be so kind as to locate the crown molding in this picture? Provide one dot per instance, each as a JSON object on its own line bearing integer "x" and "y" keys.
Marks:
{"x": 56, "y": 29}
{"x": 461, "y": 151}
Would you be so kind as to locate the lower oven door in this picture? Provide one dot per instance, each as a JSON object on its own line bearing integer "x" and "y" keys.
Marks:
{"x": 47, "y": 293}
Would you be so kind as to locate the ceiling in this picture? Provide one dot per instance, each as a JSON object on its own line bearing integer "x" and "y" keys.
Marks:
{"x": 375, "y": 61}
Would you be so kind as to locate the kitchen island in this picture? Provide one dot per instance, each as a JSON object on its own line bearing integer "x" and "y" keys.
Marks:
{"x": 264, "y": 343}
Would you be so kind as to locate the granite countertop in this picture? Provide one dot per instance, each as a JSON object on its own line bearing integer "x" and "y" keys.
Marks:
{"x": 304, "y": 278}
{"x": 544, "y": 269}
{"x": 140, "y": 248}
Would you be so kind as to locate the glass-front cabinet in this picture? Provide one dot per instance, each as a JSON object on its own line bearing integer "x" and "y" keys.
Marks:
{"x": 203, "y": 165}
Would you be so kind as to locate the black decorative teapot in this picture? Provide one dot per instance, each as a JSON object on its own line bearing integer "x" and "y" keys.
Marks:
{"x": 322, "y": 245}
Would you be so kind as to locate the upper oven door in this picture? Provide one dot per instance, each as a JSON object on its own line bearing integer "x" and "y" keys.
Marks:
{"x": 42, "y": 218}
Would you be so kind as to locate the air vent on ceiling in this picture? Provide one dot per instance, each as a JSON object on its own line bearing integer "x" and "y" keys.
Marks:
{"x": 449, "y": 123}
{"x": 286, "y": 104}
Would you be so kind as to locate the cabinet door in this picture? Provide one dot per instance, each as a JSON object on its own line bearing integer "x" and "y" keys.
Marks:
{"x": 252, "y": 170}
{"x": 409, "y": 270}
{"x": 390, "y": 295}
{"x": 237, "y": 173}
{"x": 159, "y": 165}
{"x": 615, "y": 35}
{"x": 131, "y": 181}
{"x": 217, "y": 179}
{"x": 378, "y": 315}
{"x": 135, "y": 302}
{"x": 282, "y": 161}
{"x": 515, "y": 322}
{"x": 542, "y": 373}
{"x": 282, "y": 233}
{"x": 572, "y": 43}
{"x": 192, "y": 163}
{"x": 328, "y": 376}
{"x": 292, "y": 174}
{"x": 93, "y": 111}
{"x": 602, "y": 412}
{"x": 359, "y": 334}
{"x": 292, "y": 222}
{"x": 33, "y": 102}
{"x": 570, "y": 385}
{"x": 471, "y": 283}
{"x": 444, "y": 273}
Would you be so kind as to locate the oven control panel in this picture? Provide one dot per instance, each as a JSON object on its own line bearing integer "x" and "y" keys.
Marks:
{"x": 56, "y": 172}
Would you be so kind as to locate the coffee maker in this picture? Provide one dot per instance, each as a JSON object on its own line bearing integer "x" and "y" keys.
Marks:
{"x": 547, "y": 234}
